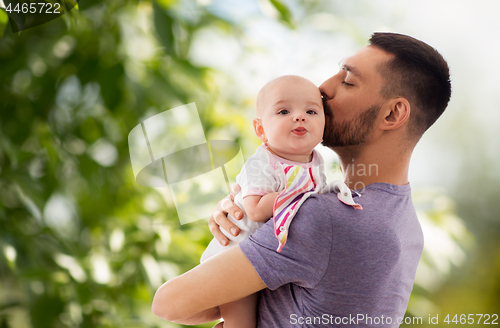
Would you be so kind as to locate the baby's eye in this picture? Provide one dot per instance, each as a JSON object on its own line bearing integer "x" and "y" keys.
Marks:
{"x": 283, "y": 111}
{"x": 311, "y": 111}
{"x": 347, "y": 84}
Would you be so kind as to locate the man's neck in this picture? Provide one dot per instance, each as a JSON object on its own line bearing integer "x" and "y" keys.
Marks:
{"x": 362, "y": 167}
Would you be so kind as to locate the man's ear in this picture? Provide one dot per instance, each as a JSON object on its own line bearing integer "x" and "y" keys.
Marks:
{"x": 259, "y": 130}
{"x": 396, "y": 114}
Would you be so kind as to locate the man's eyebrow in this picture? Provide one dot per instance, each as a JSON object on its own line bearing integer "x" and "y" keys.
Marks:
{"x": 349, "y": 68}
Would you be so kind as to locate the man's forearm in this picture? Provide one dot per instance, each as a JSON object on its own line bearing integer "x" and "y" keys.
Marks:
{"x": 205, "y": 316}
{"x": 194, "y": 296}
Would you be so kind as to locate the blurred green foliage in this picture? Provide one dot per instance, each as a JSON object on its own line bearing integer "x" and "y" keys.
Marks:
{"x": 81, "y": 243}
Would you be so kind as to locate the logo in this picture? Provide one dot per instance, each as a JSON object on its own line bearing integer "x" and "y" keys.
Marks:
{"x": 25, "y": 14}
{"x": 170, "y": 150}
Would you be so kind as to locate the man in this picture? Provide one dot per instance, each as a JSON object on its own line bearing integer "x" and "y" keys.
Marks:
{"x": 340, "y": 266}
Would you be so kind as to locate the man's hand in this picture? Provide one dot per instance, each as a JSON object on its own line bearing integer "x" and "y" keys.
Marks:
{"x": 219, "y": 218}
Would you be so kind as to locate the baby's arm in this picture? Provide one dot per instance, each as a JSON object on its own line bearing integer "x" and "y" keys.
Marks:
{"x": 260, "y": 208}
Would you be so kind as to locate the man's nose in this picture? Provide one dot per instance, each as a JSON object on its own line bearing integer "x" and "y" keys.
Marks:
{"x": 328, "y": 88}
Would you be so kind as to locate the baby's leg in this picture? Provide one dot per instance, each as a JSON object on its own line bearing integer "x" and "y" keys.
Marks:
{"x": 241, "y": 313}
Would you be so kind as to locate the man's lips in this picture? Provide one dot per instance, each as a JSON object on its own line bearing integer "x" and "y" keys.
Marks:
{"x": 300, "y": 131}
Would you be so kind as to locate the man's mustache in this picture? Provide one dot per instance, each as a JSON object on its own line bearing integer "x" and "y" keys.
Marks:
{"x": 327, "y": 109}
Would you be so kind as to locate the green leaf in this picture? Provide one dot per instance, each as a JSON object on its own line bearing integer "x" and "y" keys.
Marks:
{"x": 285, "y": 13}
{"x": 164, "y": 28}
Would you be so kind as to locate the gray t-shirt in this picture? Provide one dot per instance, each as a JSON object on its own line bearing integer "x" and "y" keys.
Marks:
{"x": 340, "y": 267}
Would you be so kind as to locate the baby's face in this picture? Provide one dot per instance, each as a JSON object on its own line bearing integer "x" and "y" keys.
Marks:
{"x": 292, "y": 117}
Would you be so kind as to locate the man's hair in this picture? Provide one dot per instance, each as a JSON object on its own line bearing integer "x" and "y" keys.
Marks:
{"x": 418, "y": 73}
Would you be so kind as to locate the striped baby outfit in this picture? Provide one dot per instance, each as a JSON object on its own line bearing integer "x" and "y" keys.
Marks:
{"x": 300, "y": 184}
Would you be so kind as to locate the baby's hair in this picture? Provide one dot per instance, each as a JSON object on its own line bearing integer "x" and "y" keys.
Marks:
{"x": 261, "y": 97}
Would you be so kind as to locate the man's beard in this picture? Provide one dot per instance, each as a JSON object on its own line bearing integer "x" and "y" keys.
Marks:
{"x": 351, "y": 133}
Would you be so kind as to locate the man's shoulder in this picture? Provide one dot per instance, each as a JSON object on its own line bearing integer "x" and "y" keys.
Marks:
{"x": 381, "y": 203}
{"x": 319, "y": 213}
{"x": 326, "y": 206}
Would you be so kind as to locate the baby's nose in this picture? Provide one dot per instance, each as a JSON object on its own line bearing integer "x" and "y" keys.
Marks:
{"x": 300, "y": 119}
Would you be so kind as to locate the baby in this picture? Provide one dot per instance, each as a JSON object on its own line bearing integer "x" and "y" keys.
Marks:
{"x": 281, "y": 174}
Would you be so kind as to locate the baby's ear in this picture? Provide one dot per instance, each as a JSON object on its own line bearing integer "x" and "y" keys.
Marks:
{"x": 259, "y": 129}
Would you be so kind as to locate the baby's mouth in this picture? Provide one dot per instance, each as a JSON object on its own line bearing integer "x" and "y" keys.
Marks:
{"x": 300, "y": 131}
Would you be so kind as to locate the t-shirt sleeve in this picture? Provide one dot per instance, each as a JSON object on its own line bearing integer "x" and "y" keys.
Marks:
{"x": 305, "y": 257}
{"x": 257, "y": 177}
